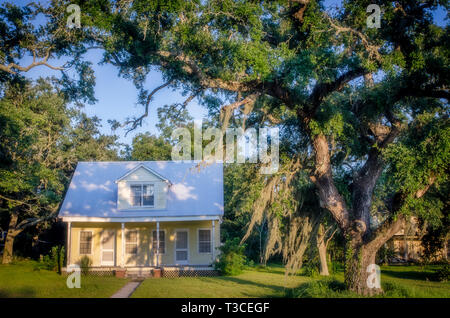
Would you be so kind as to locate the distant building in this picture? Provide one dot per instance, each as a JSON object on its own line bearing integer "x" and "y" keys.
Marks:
{"x": 407, "y": 244}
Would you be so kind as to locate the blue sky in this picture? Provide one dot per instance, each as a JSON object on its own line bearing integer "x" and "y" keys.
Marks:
{"x": 117, "y": 97}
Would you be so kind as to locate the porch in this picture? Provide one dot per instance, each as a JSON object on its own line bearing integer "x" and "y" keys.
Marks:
{"x": 139, "y": 246}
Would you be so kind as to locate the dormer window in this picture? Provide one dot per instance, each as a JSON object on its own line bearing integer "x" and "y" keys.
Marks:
{"x": 142, "y": 195}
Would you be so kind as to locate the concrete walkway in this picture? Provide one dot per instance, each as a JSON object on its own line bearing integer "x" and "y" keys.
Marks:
{"x": 127, "y": 290}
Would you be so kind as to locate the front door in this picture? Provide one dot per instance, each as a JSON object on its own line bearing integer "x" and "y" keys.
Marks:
{"x": 108, "y": 242}
{"x": 181, "y": 247}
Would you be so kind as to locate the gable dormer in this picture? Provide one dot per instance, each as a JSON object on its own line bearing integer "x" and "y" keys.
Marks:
{"x": 142, "y": 189}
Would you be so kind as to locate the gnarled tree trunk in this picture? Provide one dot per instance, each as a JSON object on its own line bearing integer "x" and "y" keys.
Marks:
{"x": 9, "y": 241}
{"x": 359, "y": 265}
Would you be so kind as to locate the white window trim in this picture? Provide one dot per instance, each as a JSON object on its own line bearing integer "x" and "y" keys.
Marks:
{"x": 175, "y": 247}
{"x": 210, "y": 240}
{"x": 92, "y": 242}
{"x": 165, "y": 241}
{"x": 142, "y": 183}
{"x": 137, "y": 241}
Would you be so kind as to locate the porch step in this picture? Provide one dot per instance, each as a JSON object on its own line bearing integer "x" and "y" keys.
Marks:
{"x": 138, "y": 274}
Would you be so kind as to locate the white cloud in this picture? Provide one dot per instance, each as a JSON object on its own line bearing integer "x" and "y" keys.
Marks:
{"x": 92, "y": 186}
{"x": 183, "y": 192}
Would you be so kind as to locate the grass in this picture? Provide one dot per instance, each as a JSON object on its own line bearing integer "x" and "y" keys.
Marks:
{"x": 21, "y": 279}
{"x": 257, "y": 282}
{"x": 397, "y": 281}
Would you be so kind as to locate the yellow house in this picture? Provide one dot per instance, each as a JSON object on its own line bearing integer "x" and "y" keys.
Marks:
{"x": 137, "y": 216}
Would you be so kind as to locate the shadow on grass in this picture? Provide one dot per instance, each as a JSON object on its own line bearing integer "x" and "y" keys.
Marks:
{"x": 414, "y": 275}
{"x": 276, "y": 289}
{"x": 25, "y": 292}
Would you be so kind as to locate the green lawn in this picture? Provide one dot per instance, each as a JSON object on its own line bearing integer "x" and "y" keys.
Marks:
{"x": 267, "y": 282}
{"x": 416, "y": 280}
{"x": 21, "y": 280}
{"x": 272, "y": 282}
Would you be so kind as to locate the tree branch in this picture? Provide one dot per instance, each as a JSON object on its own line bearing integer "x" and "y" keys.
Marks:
{"x": 9, "y": 68}
{"x": 322, "y": 90}
{"x": 138, "y": 121}
{"x": 329, "y": 196}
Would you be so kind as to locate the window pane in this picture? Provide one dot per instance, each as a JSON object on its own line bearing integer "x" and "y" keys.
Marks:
{"x": 131, "y": 236}
{"x": 162, "y": 242}
{"x": 204, "y": 235}
{"x": 181, "y": 255}
{"x": 108, "y": 240}
{"x": 131, "y": 248}
{"x": 204, "y": 247}
{"x": 204, "y": 241}
{"x": 148, "y": 195}
{"x": 85, "y": 242}
{"x": 108, "y": 256}
{"x": 181, "y": 240}
{"x": 131, "y": 242}
{"x": 136, "y": 195}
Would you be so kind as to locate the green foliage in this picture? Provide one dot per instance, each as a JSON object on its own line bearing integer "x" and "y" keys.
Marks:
{"x": 232, "y": 259}
{"x": 395, "y": 290}
{"x": 443, "y": 273}
{"x": 321, "y": 288}
{"x": 54, "y": 261}
{"x": 334, "y": 288}
{"x": 85, "y": 264}
{"x": 421, "y": 156}
{"x": 311, "y": 268}
{"x": 149, "y": 147}
{"x": 41, "y": 140}
{"x": 384, "y": 254}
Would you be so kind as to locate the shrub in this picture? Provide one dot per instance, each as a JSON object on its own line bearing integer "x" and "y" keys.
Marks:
{"x": 232, "y": 259}
{"x": 442, "y": 274}
{"x": 322, "y": 288}
{"x": 336, "y": 267}
{"x": 395, "y": 291}
{"x": 85, "y": 264}
{"x": 311, "y": 267}
{"x": 54, "y": 261}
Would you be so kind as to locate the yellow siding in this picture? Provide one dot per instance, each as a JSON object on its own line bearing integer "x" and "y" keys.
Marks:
{"x": 145, "y": 255}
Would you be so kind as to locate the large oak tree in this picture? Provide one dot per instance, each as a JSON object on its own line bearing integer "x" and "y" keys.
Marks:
{"x": 364, "y": 101}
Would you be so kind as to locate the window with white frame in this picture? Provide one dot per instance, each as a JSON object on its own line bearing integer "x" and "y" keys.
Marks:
{"x": 204, "y": 241}
{"x": 142, "y": 194}
{"x": 162, "y": 241}
{"x": 131, "y": 241}
{"x": 85, "y": 242}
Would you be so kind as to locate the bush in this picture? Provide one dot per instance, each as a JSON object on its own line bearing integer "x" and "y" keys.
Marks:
{"x": 54, "y": 261}
{"x": 85, "y": 264}
{"x": 310, "y": 270}
{"x": 322, "y": 288}
{"x": 336, "y": 267}
{"x": 395, "y": 291}
{"x": 442, "y": 274}
{"x": 232, "y": 259}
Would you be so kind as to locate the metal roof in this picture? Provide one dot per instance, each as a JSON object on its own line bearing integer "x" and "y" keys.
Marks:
{"x": 193, "y": 190}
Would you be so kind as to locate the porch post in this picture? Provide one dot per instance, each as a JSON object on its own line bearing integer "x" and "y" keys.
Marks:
{"x": 157, "y": 244}
{"x": 213, "y": 247}
{"x": 123, "y": 245}
{"x": 69, "y": 235}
